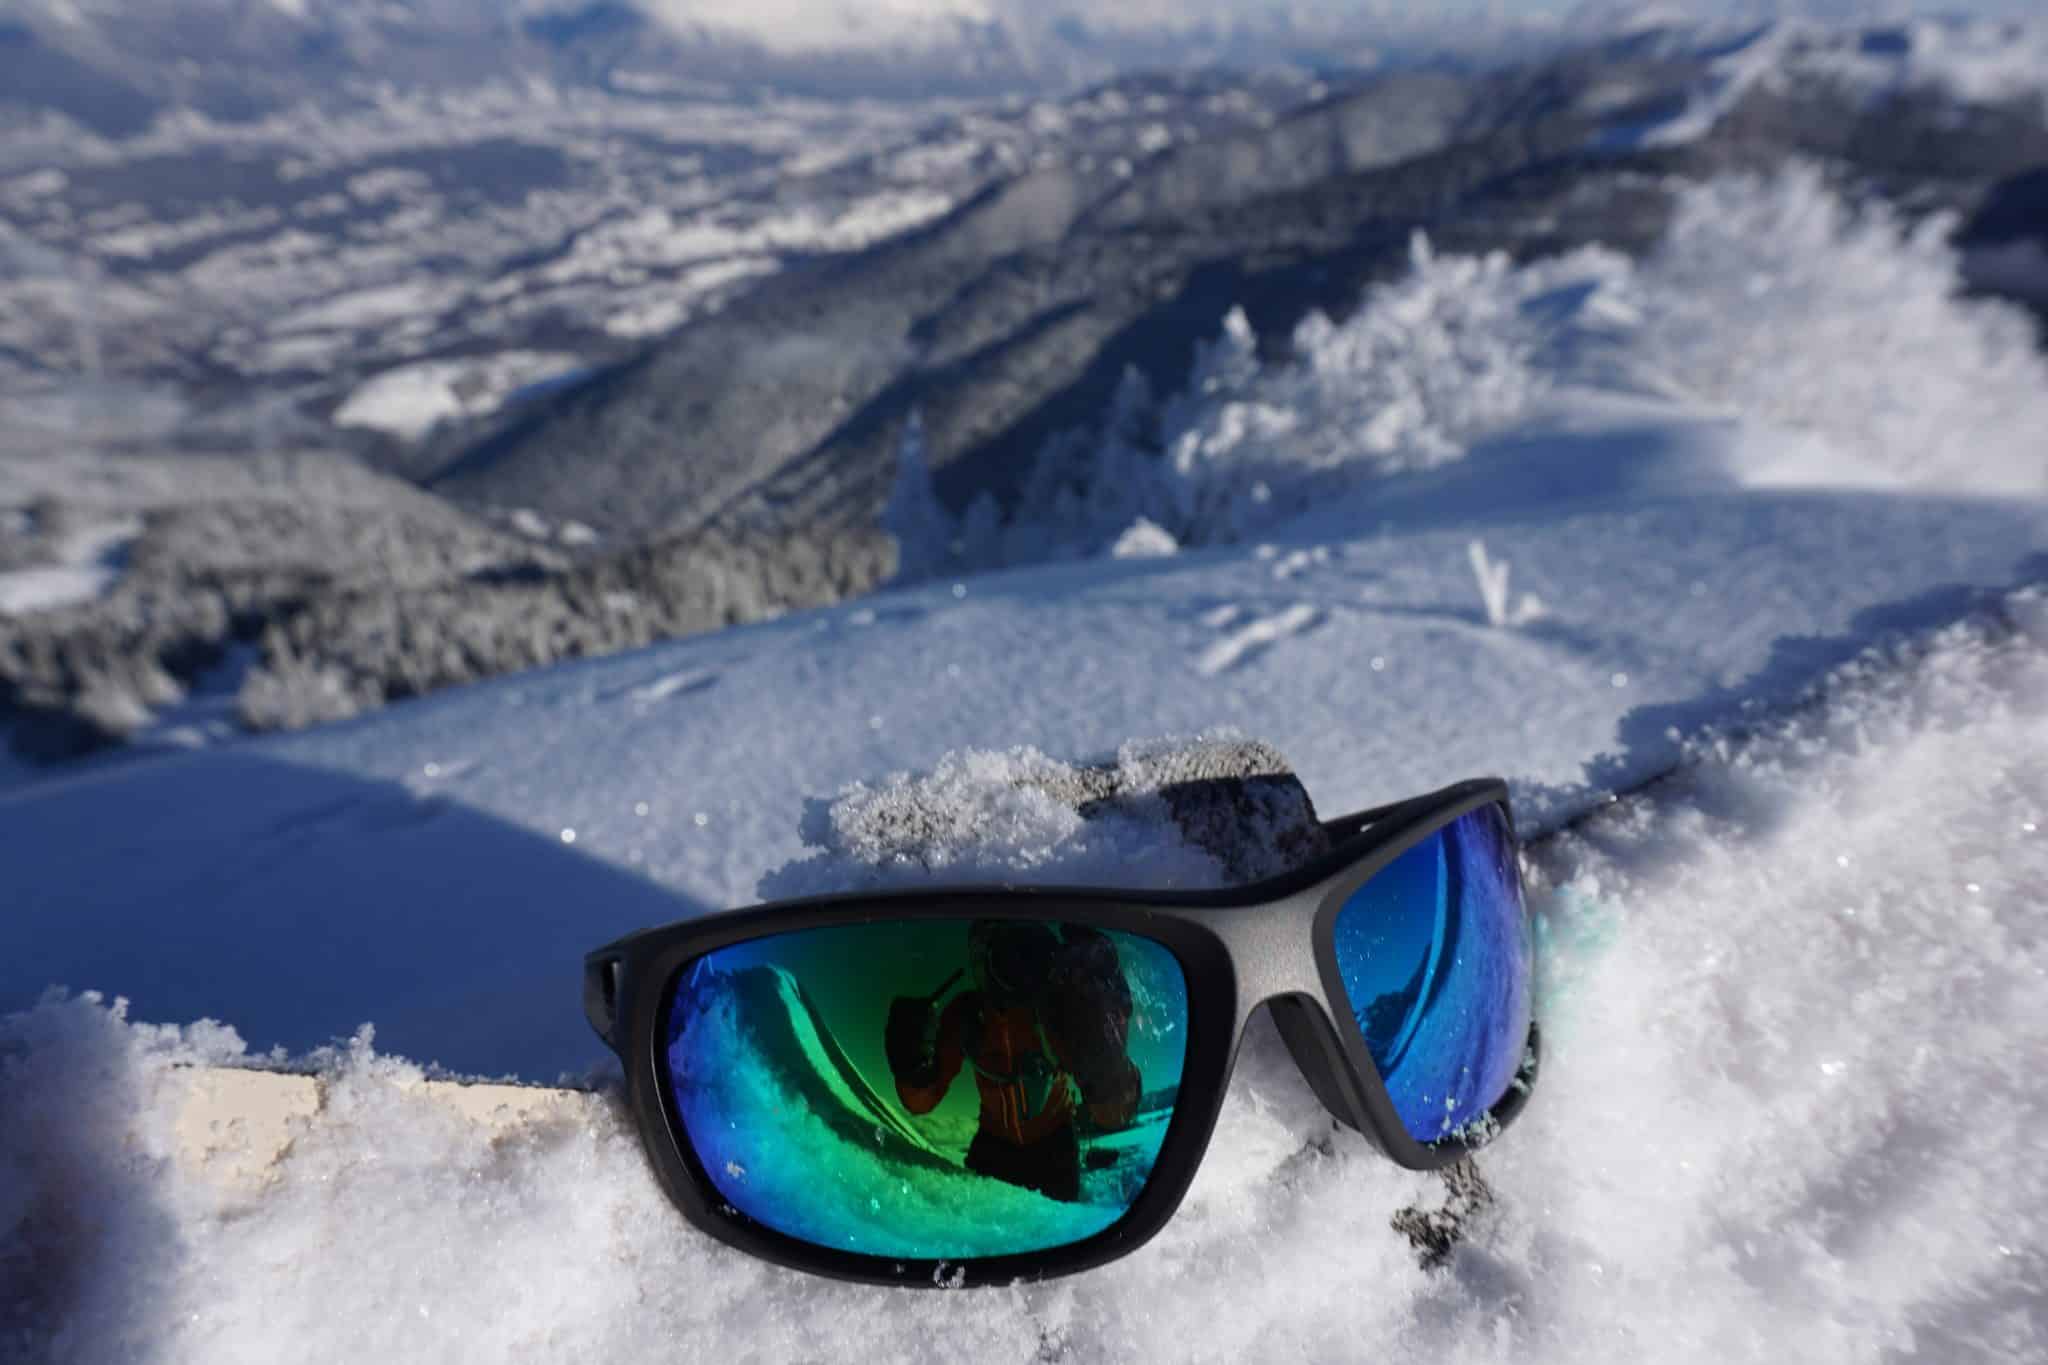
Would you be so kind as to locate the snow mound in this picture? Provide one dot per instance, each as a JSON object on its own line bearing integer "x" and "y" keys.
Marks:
{"x": 1795, "y": 998}
{"x": 1771, "y": 302}
{"x": 1143, "y": 539}
{"x": 1791, "y": 1005}
{"x": 1177, "y": 813}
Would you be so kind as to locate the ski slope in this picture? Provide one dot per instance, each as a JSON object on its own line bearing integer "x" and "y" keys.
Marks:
{"x": 1790, "y": 998}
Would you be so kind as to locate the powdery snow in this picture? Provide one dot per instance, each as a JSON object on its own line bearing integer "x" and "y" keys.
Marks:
{"x": 1787, "y": 1106}
{"x": 1794, "y": 1002}
{"x": 1246, "y": 641}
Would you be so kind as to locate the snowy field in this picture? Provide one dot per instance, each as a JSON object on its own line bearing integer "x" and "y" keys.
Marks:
{"x": 1779, "y": 540}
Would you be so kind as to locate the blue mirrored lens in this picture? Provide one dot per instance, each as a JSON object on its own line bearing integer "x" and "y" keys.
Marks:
{"x": 1434, "y": 953}
{"x": 930, "y": 1089}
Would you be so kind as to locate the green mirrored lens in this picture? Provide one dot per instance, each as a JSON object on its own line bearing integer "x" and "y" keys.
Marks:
{"x": 930, "y": 1089}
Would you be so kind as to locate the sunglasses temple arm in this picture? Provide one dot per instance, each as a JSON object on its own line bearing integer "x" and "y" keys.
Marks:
{"x": 1344, "y": 826}
{"x": 602, "y": 971}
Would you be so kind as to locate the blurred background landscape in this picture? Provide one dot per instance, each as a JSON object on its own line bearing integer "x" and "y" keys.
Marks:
{"x": 351, "y": 350}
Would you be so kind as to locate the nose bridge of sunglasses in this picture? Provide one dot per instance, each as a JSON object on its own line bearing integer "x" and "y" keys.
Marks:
{"x": 1273, "y": 947}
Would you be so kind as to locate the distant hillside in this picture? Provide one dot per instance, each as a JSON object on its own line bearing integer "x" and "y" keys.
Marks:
{"x": 113, "y": 66}
{"x": 1014, "y": 318}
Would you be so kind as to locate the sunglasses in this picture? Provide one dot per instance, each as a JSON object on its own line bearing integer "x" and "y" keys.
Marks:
{"x": 981, "y": 1085}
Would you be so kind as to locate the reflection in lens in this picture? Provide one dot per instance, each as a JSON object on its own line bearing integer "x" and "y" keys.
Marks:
{"x": 1434, "y": 952}
{"x": 932, "y": 1089}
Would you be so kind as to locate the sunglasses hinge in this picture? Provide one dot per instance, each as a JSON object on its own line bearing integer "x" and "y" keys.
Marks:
{"x": 601, "y": 996}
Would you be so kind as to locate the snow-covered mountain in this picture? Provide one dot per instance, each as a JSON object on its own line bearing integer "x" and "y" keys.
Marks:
{"x": 115, "y": 65}
{"x": 1057, "y": 283}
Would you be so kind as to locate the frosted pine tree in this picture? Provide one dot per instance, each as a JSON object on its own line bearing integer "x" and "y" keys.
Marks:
{"x": 924, "y": 530}
{"x": 1133, "y": 486}
{"x": 978, "y": 539}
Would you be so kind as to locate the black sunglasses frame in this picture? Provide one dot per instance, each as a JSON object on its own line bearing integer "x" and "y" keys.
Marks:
{"x": 1238, "y": 947}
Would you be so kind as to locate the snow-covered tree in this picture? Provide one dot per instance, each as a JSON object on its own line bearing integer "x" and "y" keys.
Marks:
{"x": 923, "y": 528}
{"x": 978, "y": 538}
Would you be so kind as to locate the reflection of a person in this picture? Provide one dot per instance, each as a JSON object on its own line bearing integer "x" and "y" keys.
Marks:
{"x": 1044, "y": 1027}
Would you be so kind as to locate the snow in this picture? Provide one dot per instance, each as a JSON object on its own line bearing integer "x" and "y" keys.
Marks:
{"x": 1972, "y": 59}
{"x": 712, "y": 251}
{"x": 377, "y": 306}
{"x": 1976, "y": 60}
{"x": 682, "y": 297}
{"x": 913, "y": 514}
{"x": 1144, "y": 539}
{"x": 1493, "y": 579}
{"x": 389, "y": 183}
{"x": 1823, "y": 948}
{"x": 1789, "y": 1010}
{"x": 809, "y": 26}
{"x": 409, "y": 401}
{"x": 1248, "y": 640}
{"x": 206, "y": 713}
{"x": 997, "y": 815}
{"x": 735, "y": 240}
{"x": 88, "y": 560}
{"x": 146, "y": 240}
{"x": 37, "y": 184}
